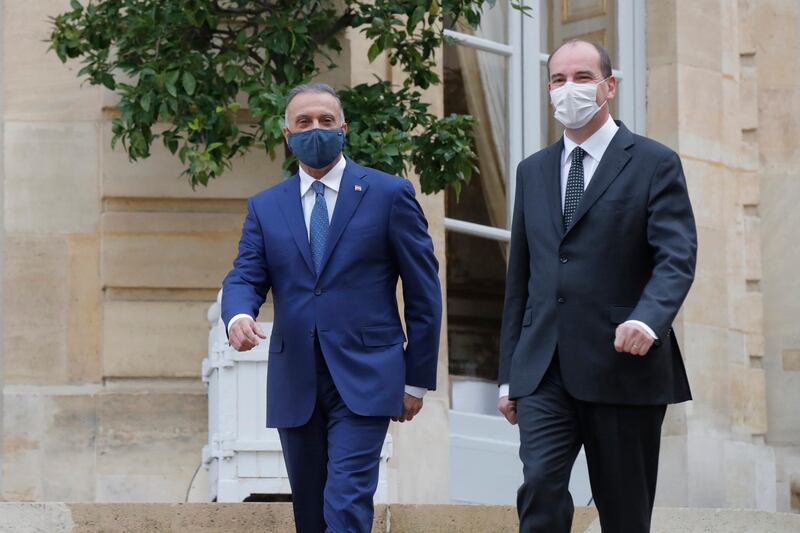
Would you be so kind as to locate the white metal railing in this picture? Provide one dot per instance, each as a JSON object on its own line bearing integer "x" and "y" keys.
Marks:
{"x": 479, "y": 43}
{"x": 477, "y": 230}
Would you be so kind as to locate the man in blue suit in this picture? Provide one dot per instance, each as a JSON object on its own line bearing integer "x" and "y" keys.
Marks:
{"x": 331, "y": 243}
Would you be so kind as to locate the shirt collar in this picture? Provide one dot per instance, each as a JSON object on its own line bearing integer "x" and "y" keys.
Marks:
{"x": 595, "y": 145}
{"x": 332, "y": 180}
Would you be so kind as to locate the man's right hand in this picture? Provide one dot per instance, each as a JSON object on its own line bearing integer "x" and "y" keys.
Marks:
{"x": 244, "y": 334}
{"x": 508, "y": 408}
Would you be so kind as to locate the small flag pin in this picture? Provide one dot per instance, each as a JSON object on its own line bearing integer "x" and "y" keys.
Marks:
{"x": 358, "y": 188}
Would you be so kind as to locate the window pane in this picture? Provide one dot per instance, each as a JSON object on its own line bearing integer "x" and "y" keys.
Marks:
{"x": 475, "y": 286}
{"x": 476, "y": 83}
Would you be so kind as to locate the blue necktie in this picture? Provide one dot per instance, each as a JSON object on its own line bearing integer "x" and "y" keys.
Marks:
{"x": 319, "y": 225}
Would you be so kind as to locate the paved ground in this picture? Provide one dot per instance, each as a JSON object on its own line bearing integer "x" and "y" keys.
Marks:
{"x": 277, "y": 518}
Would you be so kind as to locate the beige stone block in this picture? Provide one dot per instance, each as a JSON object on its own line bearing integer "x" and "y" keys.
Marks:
{"x": 731, "y": 134}
{"x": 422, "y": 478}
{"x": 662, "y": 101}
{"x": 752, "y": 243}
{"x": 68, "y": 456}
{"x": 706, "y": 471}
{"x": 149, "y": 440}
{"x": 711, "y": 249}
{"x": 754, "y": 344}
{"x": 51, "y": 177}
{"x": 672, "y": 490}
{"x": 791, "y": 360}
{"x": 171, "y": 250}
{"x": 49, "y": 447}
{"x": 23, "y": 431}
{"x": 749, "y": 188}
{"x": 36, "y": 84}
{"x": 745, "y": 466}
{"x": 705, "y": 180}
{"x": 737, "y": 349}
{"x": 780, "y": 219}
{"x": 85, "y": 296}
{"x": 779, "y": 107}
{"x": 662, "y": 34}
{"x": 729, "y": 38}
{"x": 35, "y": 296}
{"x": 699, "y": 112}
{"x": 707, "y": 302}
{"x": 160, "y": 174}
{"x": 748, "y": 96}
{"x": 675, "y": 420}
{"x": 700, "y": 27}
{"x": 747, "y": 312}
{"x": 708, "y": 368}
{"x": 180, "y": 518}
{"x": 748, "y": 400}
{"x": 447, "y": 518}
{"x": 154, "y": 339}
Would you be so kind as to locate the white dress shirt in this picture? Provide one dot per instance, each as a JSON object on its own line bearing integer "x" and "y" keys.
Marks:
{"x": 595, "y": 146}
{"x": 332, "y": 181}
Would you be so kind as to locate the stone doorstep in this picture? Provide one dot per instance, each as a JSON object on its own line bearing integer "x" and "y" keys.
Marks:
{"x": 396, "y": 518}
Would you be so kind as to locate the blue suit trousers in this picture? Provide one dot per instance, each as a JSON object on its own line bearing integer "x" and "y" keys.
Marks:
{"x": 333, "y": 462}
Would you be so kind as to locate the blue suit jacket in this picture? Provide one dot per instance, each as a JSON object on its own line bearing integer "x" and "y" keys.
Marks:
{"x": 377, "y": 234}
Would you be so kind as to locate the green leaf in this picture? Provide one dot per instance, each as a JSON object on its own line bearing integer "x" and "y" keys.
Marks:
{"x": 74, "y": 4}
{"x": 189, "y": 83}
{"x": 144, "y": 101}
{"x": 374, "y": 51}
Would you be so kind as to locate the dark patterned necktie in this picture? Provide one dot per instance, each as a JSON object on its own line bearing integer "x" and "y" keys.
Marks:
{"x": 574, "y": 186}
{"x": 319, "y": 225}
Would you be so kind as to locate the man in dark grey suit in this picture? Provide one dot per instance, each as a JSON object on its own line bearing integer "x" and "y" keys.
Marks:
{"x": 603, "y": 248}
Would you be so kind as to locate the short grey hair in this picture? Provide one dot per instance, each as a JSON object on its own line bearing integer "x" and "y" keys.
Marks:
{"x": 311, "y": 88}
{"x": 605, "y": 60}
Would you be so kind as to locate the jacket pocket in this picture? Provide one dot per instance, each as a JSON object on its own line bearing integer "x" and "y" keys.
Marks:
{"x": 382, "y": 335}
{"x": 527, "y": 318}
{"x": 276, "y": 344}
{"x": 619, "y": 314}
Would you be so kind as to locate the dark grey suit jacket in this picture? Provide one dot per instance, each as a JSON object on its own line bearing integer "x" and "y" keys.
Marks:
{"x": 629, "y": 254}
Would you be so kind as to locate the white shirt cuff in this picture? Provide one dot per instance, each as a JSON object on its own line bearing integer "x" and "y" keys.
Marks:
{"x": 416, "y": 392}
{"x": 644, "y": 326}
{"x": 503, "y": 390}
{"x": 237, "y": 317}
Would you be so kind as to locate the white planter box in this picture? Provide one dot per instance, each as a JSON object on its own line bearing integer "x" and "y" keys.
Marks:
{"x": 243, "y": 457}
{"x": 485, "y": 466}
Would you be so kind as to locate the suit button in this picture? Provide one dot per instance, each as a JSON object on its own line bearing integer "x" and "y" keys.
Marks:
{"x": 317, "y": 291}
{"x": 561, "y": 300}
{"x": 311, "y": 333}
{"x": 563, "y": 259}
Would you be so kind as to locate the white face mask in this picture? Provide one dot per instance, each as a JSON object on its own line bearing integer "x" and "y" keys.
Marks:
{"x": 575, "y": 103}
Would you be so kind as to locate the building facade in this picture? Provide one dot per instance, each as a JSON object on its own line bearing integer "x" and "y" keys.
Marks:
{"x": 108, "y": 267}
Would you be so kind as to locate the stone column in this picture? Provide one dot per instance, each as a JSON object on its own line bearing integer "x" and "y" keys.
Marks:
{"x": 2, "y": 233}
{"x": 702, "y": 103}
{"x": 773, "y": 35}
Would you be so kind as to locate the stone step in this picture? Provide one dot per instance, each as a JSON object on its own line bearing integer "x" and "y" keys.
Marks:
{"x": 395, "y": 518}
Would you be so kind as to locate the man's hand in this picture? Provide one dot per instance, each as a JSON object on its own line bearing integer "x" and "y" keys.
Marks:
{"x": 633, "y": 339}
{"x": 411, "y": 406}
{"x": 244, "y": 334}
{"x": 508, "y": 408}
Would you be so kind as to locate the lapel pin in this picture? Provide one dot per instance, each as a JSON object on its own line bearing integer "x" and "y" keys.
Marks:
{"x": 358, "y": 188}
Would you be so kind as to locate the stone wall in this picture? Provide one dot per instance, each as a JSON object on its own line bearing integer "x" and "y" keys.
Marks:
{"x": 775, "y": 35}
{"x": 109, "y": 270}
{"x": 708, "y": 67}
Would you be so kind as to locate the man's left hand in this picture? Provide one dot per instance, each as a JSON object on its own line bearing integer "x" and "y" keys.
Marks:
{"x": 633, "y": 339}
{"x": 411, "y": 406}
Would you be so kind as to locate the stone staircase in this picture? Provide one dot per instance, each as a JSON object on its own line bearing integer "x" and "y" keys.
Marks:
{"x": 277, "y": 518}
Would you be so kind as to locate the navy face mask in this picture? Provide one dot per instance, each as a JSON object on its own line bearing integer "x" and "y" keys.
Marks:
{"x": 317, "y": 148}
